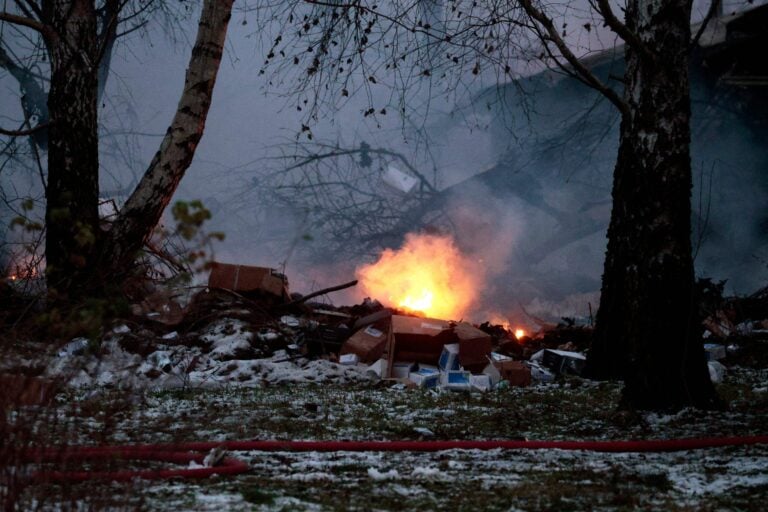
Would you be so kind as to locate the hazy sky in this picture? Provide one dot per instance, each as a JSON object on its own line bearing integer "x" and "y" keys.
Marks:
{"x": 244, "y": 122}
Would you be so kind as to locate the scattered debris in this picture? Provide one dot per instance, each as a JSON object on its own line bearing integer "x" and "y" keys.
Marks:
{"x": 250, "y": 280}
{"x": 561, "y": 361}
{"x": 399, "y": 180}
{"x": 716, "y": 371}
{"x": 245, "y": 329}
{"x": 76, "y": 347}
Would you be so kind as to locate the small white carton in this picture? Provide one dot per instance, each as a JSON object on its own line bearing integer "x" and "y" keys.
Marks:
{"x": 349, "y": 359}
{"x": 402, "y": 369}
{"x": 449, "y": 358}
{"x": 456, "y": 380}
{"x": 425, "y": 377}
{"x": 541, "y": 374}
{"x": 481, "y": 382}
{"x": 716, "y": 371}
{"x": 377, "y": 369}
{"x": 714, "y": 352}
{"x": 399, "y": 180}
{"x": 493, "y": 374}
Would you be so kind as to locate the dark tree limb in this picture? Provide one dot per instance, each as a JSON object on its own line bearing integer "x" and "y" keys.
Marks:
{"x": 603, "y": 7}
{"x": 588, "y": 77}
{"x": 322, "y": 292}
{"x": 45, "y": 30}
{"x": 22, "y": 133}
{"x": 714, "y": 8}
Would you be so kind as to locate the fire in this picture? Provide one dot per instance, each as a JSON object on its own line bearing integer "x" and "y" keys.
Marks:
{"x": 497, "y": 319}
{"x": 428, "y": 274}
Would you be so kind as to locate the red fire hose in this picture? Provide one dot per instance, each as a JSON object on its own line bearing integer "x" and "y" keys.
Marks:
{"x": 185, "y": 453}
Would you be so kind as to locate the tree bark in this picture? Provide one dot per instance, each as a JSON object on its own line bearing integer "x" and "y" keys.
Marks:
{"x": 73, "y": 161}
{"x": 648, "y": 332}
{"x": 142, "y": 211}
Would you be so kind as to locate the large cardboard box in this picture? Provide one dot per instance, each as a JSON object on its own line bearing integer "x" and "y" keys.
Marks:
{"x": 514, "y": 372}
{"x": 367, "y": 343}
{"x": 474, "y": 347}
{"x": 422, "y": 340}
{"x": 245, "y": 278}
{"x": 416, "y": 339}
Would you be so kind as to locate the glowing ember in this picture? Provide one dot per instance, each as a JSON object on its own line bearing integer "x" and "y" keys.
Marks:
{"x": 428, "y": 274}
{"x": 497, "y": 319}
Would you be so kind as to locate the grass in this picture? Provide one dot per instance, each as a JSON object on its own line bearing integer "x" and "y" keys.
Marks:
{"x": 729, "y": 478}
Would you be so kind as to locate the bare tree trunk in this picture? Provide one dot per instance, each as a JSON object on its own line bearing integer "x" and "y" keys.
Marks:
{"x": 143, "y": 209}
{"x": 648, "y": 331}
{"x": 73, "y": 159}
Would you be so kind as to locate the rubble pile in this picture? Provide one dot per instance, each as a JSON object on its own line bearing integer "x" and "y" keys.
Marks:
{"x": 247, "y": 328}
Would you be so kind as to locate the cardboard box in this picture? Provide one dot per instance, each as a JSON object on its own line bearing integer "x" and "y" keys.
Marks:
{"x": 474, "y": 346}
{"x": 377, "y": 369}
{"x": 367, "y": 343}
{"x": 399, "y": 180}
{"x": 449, "y": 358}
{"x": 714, "y": 352}
{"x": 541, "y": 374}
{"x": 422, "y": 340}
{"x": 514, "y": 372}
{"x": 402, "y": 369}
{"x": 456, "y": 380}
{"x": 425, "y": 377}
{"x": 480, "y": 382}
{"x": 349, "y": 359}
{"x": 493, "y": 373}
{"x": 716, "y": 371}
{"x": 561, "y": 361}
{"x": 416, "y": 339}
{"x": 245, "y": 279}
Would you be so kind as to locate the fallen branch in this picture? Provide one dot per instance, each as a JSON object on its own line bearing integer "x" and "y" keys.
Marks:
{"x": 321, "y": 292}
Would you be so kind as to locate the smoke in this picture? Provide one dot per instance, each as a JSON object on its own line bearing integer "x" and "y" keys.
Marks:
{"x": 521, "y": 172}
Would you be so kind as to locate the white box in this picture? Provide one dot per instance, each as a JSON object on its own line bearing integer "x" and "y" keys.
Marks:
{"x": 349, "y": 359}
{"x": 401, "y": 370}
{"x": 377, "y": 368}
{"x": 397, "y": 179}
{"x": 714, "y": 352}
{"x": 425, "y": 378}
{"x": 449, "y": 358}
{"x": 456, "y": 380}
{"x": 480, "y": 382}
{"x": 541, "y": 374}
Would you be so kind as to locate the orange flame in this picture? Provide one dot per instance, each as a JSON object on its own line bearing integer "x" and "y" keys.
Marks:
{"x": 428, "y": 275}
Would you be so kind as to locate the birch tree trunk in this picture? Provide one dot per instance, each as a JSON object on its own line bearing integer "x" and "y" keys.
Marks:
{"x": 73, "y": 161}
{"x": 648, "y": 331}
{"x": 142, "y": 211}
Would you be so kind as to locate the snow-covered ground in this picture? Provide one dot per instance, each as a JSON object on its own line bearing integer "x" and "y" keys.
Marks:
{"x": 228, "y": 381}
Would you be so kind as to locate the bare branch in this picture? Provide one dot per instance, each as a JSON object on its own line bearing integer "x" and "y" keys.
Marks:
{"x": 28, "y": 7}
{"x": 629, "y": 37}
{"x": 321, "y": 292}
{"x": 588, "y": 77}
{"x": 22, "y": 133}
{"x": 45, "y": 30}
{"x": 714, "y": 7}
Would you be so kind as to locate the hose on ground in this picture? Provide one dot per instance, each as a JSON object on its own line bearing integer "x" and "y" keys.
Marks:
{"x": 187, "y": 453}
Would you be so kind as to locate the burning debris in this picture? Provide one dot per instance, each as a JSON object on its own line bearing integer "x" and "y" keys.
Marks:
{"x": 246, "y": 328}
{"x": 428, "y": 276}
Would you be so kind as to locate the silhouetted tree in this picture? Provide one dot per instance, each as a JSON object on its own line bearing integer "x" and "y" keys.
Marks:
{"x": 80, "y": 257}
